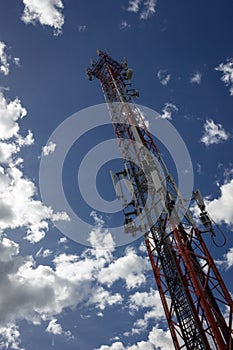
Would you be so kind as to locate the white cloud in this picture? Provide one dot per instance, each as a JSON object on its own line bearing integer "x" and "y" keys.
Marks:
{"x": 19, "y": 207}
{"x": 101, "y": 239}
{"x": 54, "y": 327}
{"x": 10, "y": 337}
{"x": 213, "y": 133}
{"x": 149, "y": 9}
{"x": 130, "y": 268}
{"x": 227, "y": 73}
{"x": 168, "y": 110}
{"x": 157, "y": 339}
{"x": 25, "y": 141}
{"x": 16, "y": 61}
{"x": 46, "y": 12}
{"x": 124, "y": 25}
{"x": 62, "y": 240}
{"x": 102, "y": 298}
{"x": 28, "y": 291}
{"x": 43, "y": 253}
{"x": 145, "y": 8}
{"x": 163, "y": 76}
{"x": 227, "y": 260}
{"x": 145, "y": 300}
{"x": 4, "y": 64}
{"x": 39, "y": 293}
{"x": 49, "y": 148}
{"x": 196, "y": 78}
{"x": 82, "y": 28}
{"x": 10, "y": 113}
{"x": 161, "y": 339}
{"x": 134, "y": 5}
{"x": 221, "y": 208}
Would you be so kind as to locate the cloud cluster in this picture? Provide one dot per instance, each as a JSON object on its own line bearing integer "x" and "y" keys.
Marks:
{"x": 145, "y": 8}
{"x": 213, "y": 133}
{"x": 10, "y": 337}
{"x": 227, "y": 73}
{"x": 157, "y": 339}
{"x": 39, "y": 293}
{"x": 46, "y": 12}
{"x": 151, "y": 303}
{"x": 18, "y": 204}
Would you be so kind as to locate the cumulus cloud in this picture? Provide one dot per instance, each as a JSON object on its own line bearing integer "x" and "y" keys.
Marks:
{"x": 196, "y": 78}
{"x": 37, "y": 293}
{"x": 21, "y": 209}
{"x": 32, "y": 292}
{"x": 6, "y": 59}
{"x": 49, "y": 148}
{"x": 10, "y": 113}
{"x": 18, "y": 203}
{"x": 161, "y": 339}
{"x": 221, "y": 208}
{"x": 130, "y": 268}
{"x": 149, "y": 301}
{"x": 227, "y": 73}
{"x": 163, "y": 76}
{"x": 157, "y": 338}
{"x": 227, "y": 260}
{"x": 4, "y": 64}
{"x": 168, "y": 110}
{"x": 213, "y": 133}
{"x": 10, "y": 337}
{"x": 46, "y": 12}
{"x": 145, "y": 8}
{"x": 55, "y": 328}
{"x": 103, "y": 297}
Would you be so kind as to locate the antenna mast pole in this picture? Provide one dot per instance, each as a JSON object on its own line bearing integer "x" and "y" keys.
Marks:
{"x": 196, "y": 302}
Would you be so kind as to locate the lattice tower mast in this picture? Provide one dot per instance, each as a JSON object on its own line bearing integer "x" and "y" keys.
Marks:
{"x": 196, "y": 302}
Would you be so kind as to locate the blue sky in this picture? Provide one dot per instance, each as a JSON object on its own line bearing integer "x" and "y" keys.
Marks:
{"x": 56, "y": 293}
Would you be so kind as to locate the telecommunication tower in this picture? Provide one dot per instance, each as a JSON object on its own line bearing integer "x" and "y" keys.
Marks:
{"x": 196, "y": 302}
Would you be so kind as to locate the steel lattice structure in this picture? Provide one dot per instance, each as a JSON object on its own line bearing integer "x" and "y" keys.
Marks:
{"x": 196, "y": 302}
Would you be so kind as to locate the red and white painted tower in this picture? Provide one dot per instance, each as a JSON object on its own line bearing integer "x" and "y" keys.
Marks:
{"x": 196, "y": 302}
